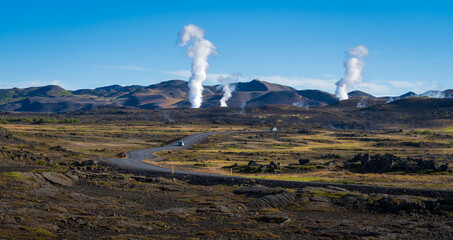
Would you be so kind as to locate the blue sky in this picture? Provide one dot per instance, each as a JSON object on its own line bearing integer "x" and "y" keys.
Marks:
{"x": 87, "y": 44}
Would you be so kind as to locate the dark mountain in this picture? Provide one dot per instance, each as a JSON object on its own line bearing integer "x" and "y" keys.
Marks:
{"x": 421, "y": 104}
{"x": 449, "y": 93}
{"x": 54, "y": 104}
{"x": 262, "y": 86}
{"x": 280, "y": 97}
{"x": 433, "y": 94}
{"x": 240, "y": 99}
{"x": 111, "y": 87}
{"x": 358, "y": 93}
{"x": 174, "y": 88}
{"x": 175, "y": 84}
{"x": 285, "y": 97}
{"x": 245, "y": 93}
{"x": 409, "y": 94}
{"x": 175, "y": 94}
{"x": 94, "y": 92}
{"x": 358, "y": 102}
{"x": 317, "y": 95}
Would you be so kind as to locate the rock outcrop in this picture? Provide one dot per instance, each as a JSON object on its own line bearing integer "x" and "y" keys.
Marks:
{"x": 267, "y": 197}
{"x": 390, "y": 163}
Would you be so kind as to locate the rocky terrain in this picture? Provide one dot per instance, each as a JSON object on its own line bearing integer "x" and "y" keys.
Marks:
{"x": 388, "y": 163}
{"x": 400, "y": 114}
{"x": 54, "y": 185}
{"x": 92, "y": 202}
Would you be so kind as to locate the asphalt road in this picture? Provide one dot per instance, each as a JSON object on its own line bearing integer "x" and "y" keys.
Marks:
{"x": 136, "y": 157}
{"x": 134, "y": 163}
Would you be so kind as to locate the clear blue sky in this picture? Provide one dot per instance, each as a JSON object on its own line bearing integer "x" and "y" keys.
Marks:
{"x": 87, "y": 44}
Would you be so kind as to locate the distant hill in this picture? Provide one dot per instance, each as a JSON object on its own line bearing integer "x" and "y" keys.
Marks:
{"x": 319, "y": 96}
{"x": 409, "y": 94}
{"x": 359, "y": 94}
{"x": 175, "y": 94}
{"x": 261, "y": 86}
{"x": 15, "y": 94}
{"x": 280, "y": 97}
{"x": 52, "y": 104}
{"x": 431, "y": 94}
{"x": 449, "y": 93}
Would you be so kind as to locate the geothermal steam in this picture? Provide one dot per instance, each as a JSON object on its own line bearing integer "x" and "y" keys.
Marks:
{"x": 227, "y": 88}
{"x": 199, "y": 49}
{"x": 353, "y": 73}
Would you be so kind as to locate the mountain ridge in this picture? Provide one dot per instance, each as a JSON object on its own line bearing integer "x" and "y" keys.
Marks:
{"x": 175, "y": 94}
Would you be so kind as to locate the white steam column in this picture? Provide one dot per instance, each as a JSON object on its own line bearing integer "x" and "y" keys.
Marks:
{"x": 227, "y": 87}
{"x": 353, "y": 71}
{"x": 199, "y": 49}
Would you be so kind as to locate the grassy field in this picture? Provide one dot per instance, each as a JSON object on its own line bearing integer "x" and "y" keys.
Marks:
{"x": 105, "y": 140}
{"x": 67, "y": 142}
{"x": 320, "y": 147}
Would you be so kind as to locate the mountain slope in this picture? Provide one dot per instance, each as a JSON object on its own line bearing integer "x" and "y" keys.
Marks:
{"x": 317, "y": 95}
{"x": 262, "y": 86}
{"x": 55, "y": 104}
{"x": 357, "y": 93}
{"x": 15, "y": 94}
{"x": 175, "y": 94}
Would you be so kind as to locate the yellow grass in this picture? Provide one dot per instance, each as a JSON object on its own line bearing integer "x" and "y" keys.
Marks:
{"x": 269, "y": 149}
{"x": 110, "y": 139}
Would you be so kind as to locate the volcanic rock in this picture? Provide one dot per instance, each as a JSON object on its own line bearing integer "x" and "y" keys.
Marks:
{"x": 258, "y": 191}
{"x": 273, "y": 201}
{"x": 274, "y": 165}
{"x": 273, "y": 218}
{"x": 267, "y": 197}
{"x": 387, "y": 163}
{"x": 304, "y": 161}
{"x": 57, "y": 179}
{"x": 252, "y": 163}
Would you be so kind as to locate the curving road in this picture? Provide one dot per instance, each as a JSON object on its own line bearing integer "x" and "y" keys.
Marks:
{"x": 136, "y": 157}
{"x": 134, "y": 162}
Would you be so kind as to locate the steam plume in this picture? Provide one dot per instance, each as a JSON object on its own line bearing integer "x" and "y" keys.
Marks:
{"x": 243, "y": 104}
{"x": 434, "y": 94}
{"x": 353, "y": 73}
{"x": 168, "y": 117}
{"x": 362, "y": 103}
{"x": 199, "y": 49}
{"x": 227, "y": 88}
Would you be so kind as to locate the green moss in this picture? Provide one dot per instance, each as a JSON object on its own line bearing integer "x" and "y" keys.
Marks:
{"x": 344, "y": 181}
{"x": 306, "y": 167}
{"x": 281, "y": 146}
{"x": 328, "y": 194}
{"x": 37, "y": 120}
{"x": 14, "y": 174}
{"x": 41, "y": 162}
{"x": 434, "y": 172}
{"x": 423, "y": 132}
{"x": 40, "y": 232}
{"x": 159, "y": 225}
{"x": 269, "y": 210}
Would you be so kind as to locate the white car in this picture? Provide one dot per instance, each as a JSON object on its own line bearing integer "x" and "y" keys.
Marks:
{"x": 181, "y": 143}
